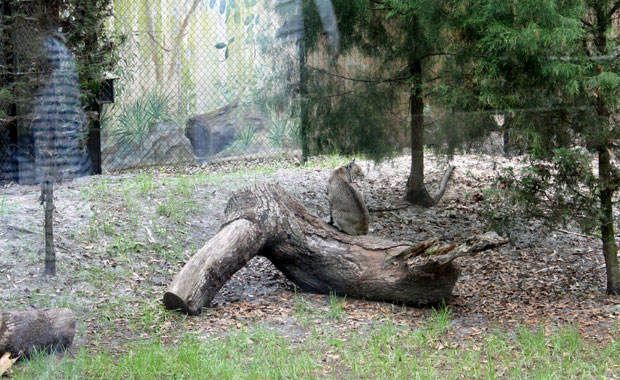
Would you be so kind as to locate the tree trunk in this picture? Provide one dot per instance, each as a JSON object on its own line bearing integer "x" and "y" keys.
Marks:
{"x": 610, "y": 250}
{"x": 31, "y": 331}
{"x": 266, "y": 220}
{"x": 416, "y": 191}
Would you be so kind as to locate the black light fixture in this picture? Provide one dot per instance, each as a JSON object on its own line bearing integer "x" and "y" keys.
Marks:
{"x": 106, "y": 91}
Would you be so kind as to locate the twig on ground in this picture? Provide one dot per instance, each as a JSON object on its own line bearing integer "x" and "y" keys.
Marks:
{"x": 575, "y": 233}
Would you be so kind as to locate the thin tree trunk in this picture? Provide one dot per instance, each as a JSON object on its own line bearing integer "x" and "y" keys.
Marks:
{"x": 177, "y": 44}
{"x": 610, "y": 250}
{"x": 154, "y": 43}
{"x": 507, "y": 145}
{"x": 416, "y": 191}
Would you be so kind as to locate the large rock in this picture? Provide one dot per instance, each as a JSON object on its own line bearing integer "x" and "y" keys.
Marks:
{"x": 213, "y": 132}
{"x": 164, "y": 144}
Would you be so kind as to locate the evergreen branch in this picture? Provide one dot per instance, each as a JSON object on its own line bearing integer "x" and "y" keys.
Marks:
{"x": 384, "y": 7}
{"x": 435, "y": 120}
{"x": 614, "y": 8}
{"x": 336, "y": 95}
{"x": 441, "y": 53}
{"x": 380, "y": 3}
{"x": 365, "y": 80}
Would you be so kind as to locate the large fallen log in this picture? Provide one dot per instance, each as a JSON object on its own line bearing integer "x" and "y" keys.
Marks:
{"x": 266, "y": 220}
{"x": 26, "y": 332}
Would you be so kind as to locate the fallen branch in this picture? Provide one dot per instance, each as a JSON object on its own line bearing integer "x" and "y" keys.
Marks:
{"x": 266, "y": 220}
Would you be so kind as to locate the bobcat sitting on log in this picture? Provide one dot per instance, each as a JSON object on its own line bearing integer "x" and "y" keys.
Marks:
{"x": 347, "y": 209}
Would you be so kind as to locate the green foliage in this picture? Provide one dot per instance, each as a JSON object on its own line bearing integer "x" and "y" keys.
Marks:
{"x": 134, "y": 119}
{"x": 450, "y": 130}
{"x": 250, "y": 22}
{"x": 531, "y": 62}
{"x": 512, "y": 61}
{"x": 500, "y": 212}
{"x": 158, "y": 105}
{"x": 357, "y": 122}
{"x": 277, "y": 132}
{"x": 336, "y": 306}
{"x": 361, "y": 24}
{"x": 348, "y": 115}
{"x": 549, "y": 68}
{"x": 94, "y": 45}
{"x": 133, "y": 123}
{"x": 562, "y": 190}
{"x": 363, "y": 108}
{"x": 244, "y": 138}
{"x": 84, "y": 26}
{"x": 5, "y": 94}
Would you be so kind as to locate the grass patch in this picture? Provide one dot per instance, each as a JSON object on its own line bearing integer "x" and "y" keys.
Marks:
{"x": 302, "y": 309}
{"x": 336, "y": 306}
{"x": 6, "y": 207}
{"x": 386, "y": 350}
{"x": 256, "y": 353}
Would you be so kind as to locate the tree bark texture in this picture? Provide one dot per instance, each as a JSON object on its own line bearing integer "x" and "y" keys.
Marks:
{"x": 416, "y": 191}
{"x": 26, "y": 332}
{"x": 266, "y": 220}
{"x": 610, "y": 250}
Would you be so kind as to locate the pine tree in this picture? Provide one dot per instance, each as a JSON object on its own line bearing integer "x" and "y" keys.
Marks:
{"x": 403, "y": 40}
{"x": 553, "y": 67}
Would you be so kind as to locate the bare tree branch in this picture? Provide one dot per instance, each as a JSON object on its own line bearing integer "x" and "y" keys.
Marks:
{"x": 365, "y": 80}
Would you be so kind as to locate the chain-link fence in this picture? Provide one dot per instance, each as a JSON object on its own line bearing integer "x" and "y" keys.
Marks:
{"x": 196, "y": 81}
{"x": 201, "y": 80}
{"x": 43, "y": 128}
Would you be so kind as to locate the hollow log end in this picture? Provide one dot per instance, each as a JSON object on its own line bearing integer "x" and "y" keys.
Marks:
{"x": 173, "y": 302}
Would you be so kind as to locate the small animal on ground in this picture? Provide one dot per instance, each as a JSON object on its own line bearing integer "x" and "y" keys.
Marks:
{"x": 347, "y": 209}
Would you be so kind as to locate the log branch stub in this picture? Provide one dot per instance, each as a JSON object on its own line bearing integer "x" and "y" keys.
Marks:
{"x": 25, "y": 332}
{"x": 266, "y": 220}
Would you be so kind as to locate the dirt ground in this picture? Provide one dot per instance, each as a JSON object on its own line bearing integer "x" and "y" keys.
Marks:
{"x": 120, "y": 239}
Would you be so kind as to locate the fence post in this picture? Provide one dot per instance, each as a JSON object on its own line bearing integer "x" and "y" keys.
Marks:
{"x": 93, "y": 142}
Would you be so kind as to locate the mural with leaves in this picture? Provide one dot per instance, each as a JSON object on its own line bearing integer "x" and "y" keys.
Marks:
{"x": 200, "y": 56}
{"x": 187, "y": 48}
